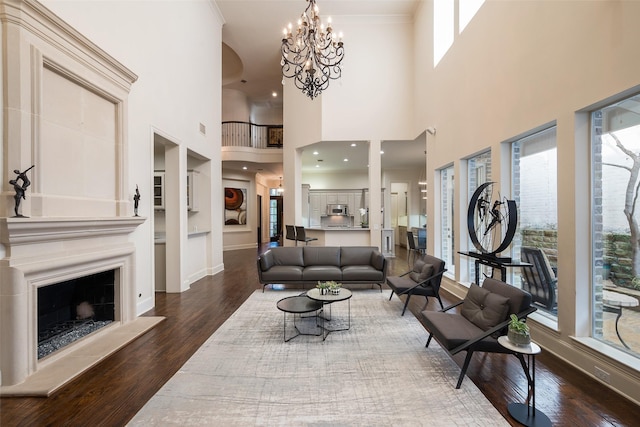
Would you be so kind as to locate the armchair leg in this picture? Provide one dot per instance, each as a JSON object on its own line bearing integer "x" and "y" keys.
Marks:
{"x": 429, "y": 340}
{"x": 391, "y": 296}
{"x": 406, "y": 303}
{"x": 440, "y": 301}
{"x": 464, "y": 368}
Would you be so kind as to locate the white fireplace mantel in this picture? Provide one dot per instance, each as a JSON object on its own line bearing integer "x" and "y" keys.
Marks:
{"x": 18, "y": 231}
{"x": 44, "y": 251}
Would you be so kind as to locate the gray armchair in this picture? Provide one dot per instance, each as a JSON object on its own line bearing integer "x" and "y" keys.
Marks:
{"x": 423, "y": 279}
{"x": 482, "y": 316}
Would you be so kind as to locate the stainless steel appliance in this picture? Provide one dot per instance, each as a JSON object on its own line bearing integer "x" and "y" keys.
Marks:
{"x": 334, "y": 209}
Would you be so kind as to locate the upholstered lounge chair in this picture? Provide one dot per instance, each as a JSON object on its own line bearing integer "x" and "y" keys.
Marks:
{"x": 482, "y": 317}
{"x": 423, "y": 279}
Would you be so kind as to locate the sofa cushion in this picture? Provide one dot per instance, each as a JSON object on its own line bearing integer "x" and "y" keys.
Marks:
{"x": 287, "y": 256}
{"x": 322, "y": 255}
{"x": 362, "y": 273}
{"x": 322, "y": 273}
{"x": 421, "y": 271}
{"x": 282, "y": 274}
{"x": 483, "y": 308}
{"x": 356, "y": 255}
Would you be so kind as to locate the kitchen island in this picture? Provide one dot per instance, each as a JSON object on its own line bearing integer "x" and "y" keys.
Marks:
{"x": 339, "y": 236}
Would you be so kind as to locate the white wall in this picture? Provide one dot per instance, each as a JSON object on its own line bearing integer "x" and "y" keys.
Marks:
{"x": 371, "y": 102}
{"x": 236, "y": 106}
{"x": 175, "y": 49}
{"x": 373, "y": 98}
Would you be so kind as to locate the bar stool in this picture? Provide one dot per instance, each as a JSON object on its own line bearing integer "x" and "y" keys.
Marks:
{"x": 301, "y": 236}
{"x": 291, "y": 233}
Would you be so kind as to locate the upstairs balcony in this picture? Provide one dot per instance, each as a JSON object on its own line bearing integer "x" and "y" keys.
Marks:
{"x": 250, "y": 135}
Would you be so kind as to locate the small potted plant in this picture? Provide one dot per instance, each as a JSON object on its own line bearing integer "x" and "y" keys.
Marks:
{"x": 518, "y": 332}
{"x": 323, "y": 287}
{"x": 334, "y": 288}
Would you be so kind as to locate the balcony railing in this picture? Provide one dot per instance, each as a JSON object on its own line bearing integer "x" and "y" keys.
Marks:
{"x": 245, "y": 134}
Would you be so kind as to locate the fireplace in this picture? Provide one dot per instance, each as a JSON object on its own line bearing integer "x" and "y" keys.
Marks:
{"x": 70, "y": 310}
{"x": 56, "y": 271}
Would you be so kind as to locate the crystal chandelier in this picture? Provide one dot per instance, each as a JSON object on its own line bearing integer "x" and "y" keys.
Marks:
{"x": 312, "y": 55}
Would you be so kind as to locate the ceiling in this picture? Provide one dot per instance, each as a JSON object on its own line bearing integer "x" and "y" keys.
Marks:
{"x": 252, "y": 36}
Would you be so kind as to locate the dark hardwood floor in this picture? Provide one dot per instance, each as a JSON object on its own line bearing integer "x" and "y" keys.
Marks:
{"x": 111, "y": 393}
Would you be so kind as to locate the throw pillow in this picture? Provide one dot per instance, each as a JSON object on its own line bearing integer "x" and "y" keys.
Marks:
{"x": 421, "y": 271}
{"x": 483, "y": 308}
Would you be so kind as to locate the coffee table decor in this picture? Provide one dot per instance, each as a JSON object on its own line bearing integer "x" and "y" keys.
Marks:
{"x": 329, "y": 287}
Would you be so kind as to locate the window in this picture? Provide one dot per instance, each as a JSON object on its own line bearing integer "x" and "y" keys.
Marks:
{"x": 615, "y": 144}
{"x": 478, "y": 172}
{"x": 534, "y": 183}
{"x": 447, "y": 241}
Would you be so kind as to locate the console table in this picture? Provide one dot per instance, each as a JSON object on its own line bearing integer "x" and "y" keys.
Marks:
{"x": 494, "y": 262}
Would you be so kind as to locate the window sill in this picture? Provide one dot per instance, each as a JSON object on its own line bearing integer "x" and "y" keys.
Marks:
{"x": 618, "y": 356}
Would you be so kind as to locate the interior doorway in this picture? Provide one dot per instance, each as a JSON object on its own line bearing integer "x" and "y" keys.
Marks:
{"x": 275, "y": 218}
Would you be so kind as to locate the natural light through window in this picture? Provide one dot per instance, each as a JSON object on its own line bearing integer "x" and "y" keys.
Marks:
{"x": 444, "y": 20}
{"x": 467, "y": 10}
{"x": 443, "y": 30}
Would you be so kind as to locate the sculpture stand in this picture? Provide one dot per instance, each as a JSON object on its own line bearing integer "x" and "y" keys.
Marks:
{"x": 493, "y": 261}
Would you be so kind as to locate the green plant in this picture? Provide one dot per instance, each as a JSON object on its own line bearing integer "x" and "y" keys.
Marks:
{"x": 518, "y": 325}
{"x": 323, "y": 285}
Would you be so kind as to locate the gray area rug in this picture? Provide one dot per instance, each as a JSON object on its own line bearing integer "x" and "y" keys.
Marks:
{"x": 376, "y": 373}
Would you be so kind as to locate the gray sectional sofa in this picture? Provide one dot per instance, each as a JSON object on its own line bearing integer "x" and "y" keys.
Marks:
{"x": 311, "y": 264}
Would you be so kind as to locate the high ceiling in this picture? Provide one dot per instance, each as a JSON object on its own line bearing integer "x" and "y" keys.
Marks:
{"x": 252, "y": 35}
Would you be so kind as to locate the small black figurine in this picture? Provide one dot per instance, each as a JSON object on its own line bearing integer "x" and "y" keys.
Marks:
{"x": 20, "y": 189}
{"x": 136, "y": 201}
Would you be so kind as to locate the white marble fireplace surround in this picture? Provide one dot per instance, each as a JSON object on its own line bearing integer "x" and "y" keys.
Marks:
{"x": 64, "y": 110}
{"x": 42, "y": 252}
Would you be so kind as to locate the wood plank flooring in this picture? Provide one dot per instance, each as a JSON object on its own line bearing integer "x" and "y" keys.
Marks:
{"x": 111, "y": 393}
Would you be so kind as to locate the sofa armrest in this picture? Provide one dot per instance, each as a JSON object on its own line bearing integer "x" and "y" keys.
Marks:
{"x": 378, "y": 260}
{"x": 265, "y": 261}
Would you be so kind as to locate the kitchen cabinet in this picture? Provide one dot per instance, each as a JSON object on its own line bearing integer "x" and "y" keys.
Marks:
{"x": 159, "y": 193}
{"x": 158, "y": 190}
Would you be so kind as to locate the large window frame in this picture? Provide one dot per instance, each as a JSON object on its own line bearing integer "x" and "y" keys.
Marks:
{"x": 615, "y": 178}
{"x": 447, "y": 247}
{"x": 534, "y": 187}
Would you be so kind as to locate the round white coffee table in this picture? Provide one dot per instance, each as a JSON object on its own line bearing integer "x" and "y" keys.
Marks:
{"x": 327, "y": 299}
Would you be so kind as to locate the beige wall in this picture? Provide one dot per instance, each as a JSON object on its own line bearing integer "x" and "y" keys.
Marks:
{"x": 516, "y": 67}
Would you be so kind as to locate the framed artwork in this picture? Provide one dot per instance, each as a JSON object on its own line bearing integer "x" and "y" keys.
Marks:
{"x": 275, "y": 136}
{"x": 235, "y": 206}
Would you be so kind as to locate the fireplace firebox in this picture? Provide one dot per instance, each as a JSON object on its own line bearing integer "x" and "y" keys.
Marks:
{"x": 71, "y": 310}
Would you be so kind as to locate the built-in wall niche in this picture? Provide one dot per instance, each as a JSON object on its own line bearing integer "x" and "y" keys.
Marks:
{"x": 73, "y": 309}
{"x": 159, "y": 191}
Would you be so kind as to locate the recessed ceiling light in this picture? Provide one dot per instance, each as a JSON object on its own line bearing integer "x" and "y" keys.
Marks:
{"x": 353, "y": 144}
{"x": 315, "y": 153}
{"x": 381, "y": 152}
{"x": 274, "y": 94}
{"x": 317, "y": 166}
{"x": 345, "y": 160}
{"x": 244, "y": 168}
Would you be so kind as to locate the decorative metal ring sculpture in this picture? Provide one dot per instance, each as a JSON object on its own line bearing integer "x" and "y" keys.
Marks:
{"x": 491, "y": 223}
